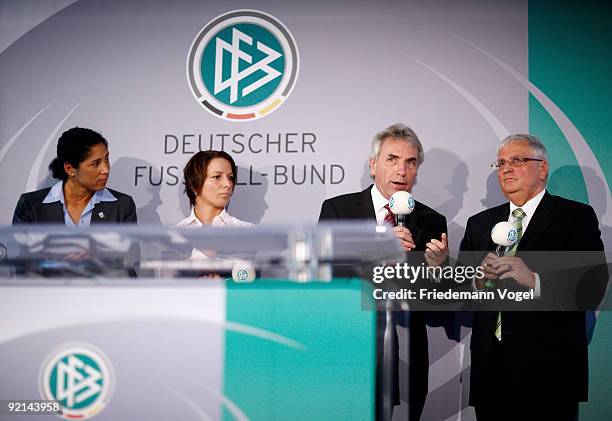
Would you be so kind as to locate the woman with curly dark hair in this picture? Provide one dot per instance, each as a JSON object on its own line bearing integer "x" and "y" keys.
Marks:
{"x": 80, "y": 197}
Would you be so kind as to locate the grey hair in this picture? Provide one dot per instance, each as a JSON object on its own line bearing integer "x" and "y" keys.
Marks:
{"x": 397, "y": 131}
{"x": 534, "y": 143}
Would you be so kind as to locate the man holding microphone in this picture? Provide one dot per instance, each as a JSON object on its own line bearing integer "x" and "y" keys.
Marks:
{"x": 530, "y": 365}
{"x": 395, "y": 156}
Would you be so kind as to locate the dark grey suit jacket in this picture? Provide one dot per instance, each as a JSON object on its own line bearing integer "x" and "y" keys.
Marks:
{"x": 30, "y": 209}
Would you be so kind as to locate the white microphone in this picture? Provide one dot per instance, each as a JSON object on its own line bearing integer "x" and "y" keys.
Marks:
{"x": 243, "y": 272}
{"x": 401, "y": 204}
{"x": 504, "y": 235}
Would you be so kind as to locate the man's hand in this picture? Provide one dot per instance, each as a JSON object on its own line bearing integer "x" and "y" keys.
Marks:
{"x": 405, "y": 237}
{"x": 487, "y": 265}
{"x": 514, "y": 267}
{"x": 436, "y": 251}
{"x": 488, "y": 272}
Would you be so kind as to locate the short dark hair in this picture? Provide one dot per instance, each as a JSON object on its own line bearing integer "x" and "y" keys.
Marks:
{"x": 194, "y": 172}
{"x": 73, "y": 146}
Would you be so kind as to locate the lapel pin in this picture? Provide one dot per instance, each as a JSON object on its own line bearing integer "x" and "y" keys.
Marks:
{"x": 101, "y": 215}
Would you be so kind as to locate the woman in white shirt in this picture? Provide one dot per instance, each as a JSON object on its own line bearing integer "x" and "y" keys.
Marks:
{"x": 209, "y": 179}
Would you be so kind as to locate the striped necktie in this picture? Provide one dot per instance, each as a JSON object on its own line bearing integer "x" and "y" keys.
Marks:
{"x": 518, "y": 215}
{"x": 389, "y": 217}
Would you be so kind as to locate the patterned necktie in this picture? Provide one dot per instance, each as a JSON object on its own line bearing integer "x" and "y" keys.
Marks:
{"x": 518, "y": 215}
{"x": 389, "y": 217}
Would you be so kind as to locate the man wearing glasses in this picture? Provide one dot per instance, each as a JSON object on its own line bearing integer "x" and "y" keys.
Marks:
{"x": 524, "y": 364}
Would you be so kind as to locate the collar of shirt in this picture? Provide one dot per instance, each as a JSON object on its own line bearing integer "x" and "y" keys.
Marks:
{"x": 57, "y": 194}
{"x": 379, "y": 202}
{"x": 529, "y": 208}
{"x": 222, "y": 219}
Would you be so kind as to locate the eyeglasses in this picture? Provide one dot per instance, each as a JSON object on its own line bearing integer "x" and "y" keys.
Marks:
{"x": 517, "y": 161}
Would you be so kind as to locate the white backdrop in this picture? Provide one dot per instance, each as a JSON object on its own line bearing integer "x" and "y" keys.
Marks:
{"x": 119, "y": 67}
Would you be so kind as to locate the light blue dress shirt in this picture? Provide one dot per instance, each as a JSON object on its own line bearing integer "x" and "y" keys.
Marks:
{"x": 57, "y": 194}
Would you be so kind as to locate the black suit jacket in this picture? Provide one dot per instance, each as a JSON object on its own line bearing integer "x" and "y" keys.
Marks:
{"x": 424, "y": 223}
{"x": 545, "y": 352}
{"x": 30, "y": 209}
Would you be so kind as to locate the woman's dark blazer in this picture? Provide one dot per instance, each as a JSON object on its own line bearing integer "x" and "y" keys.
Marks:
{"x": 30, "y": 209}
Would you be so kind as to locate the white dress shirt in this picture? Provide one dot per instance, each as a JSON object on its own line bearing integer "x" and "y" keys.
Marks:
{"x": 224, "y": 219}
{"x": 379, "y": 202}
{"x": 529, "y": 208}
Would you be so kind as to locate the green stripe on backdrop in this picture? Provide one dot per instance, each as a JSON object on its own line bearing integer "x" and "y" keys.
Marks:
{"x": 565, "y": 178}
{"x": 332, "y": 377}
{"x": 570, "y": 60}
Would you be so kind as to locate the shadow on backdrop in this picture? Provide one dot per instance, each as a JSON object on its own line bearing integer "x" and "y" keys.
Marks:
{"x": 145, "y": 193}
{"x": 443, "y": 184}
{"x": 48, "y": 181}
{"x": 494, "y": 195}
{"x": 365, "y": 179}
{"x": 560, "y": 182}
{"x": 249, "y": 200}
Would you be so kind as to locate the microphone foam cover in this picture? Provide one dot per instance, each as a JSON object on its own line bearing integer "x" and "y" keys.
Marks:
{"x": 243, "y": 272}
{"x": 503, "y": 234}
{"x": 401, "y": 203}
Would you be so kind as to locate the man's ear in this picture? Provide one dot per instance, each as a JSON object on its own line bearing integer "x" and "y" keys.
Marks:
{"x": 543, "y": 170}
{"x": 372, "y": 167}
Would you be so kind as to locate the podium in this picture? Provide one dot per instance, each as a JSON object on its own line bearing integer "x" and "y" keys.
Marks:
{"x": 124, "y": 323}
